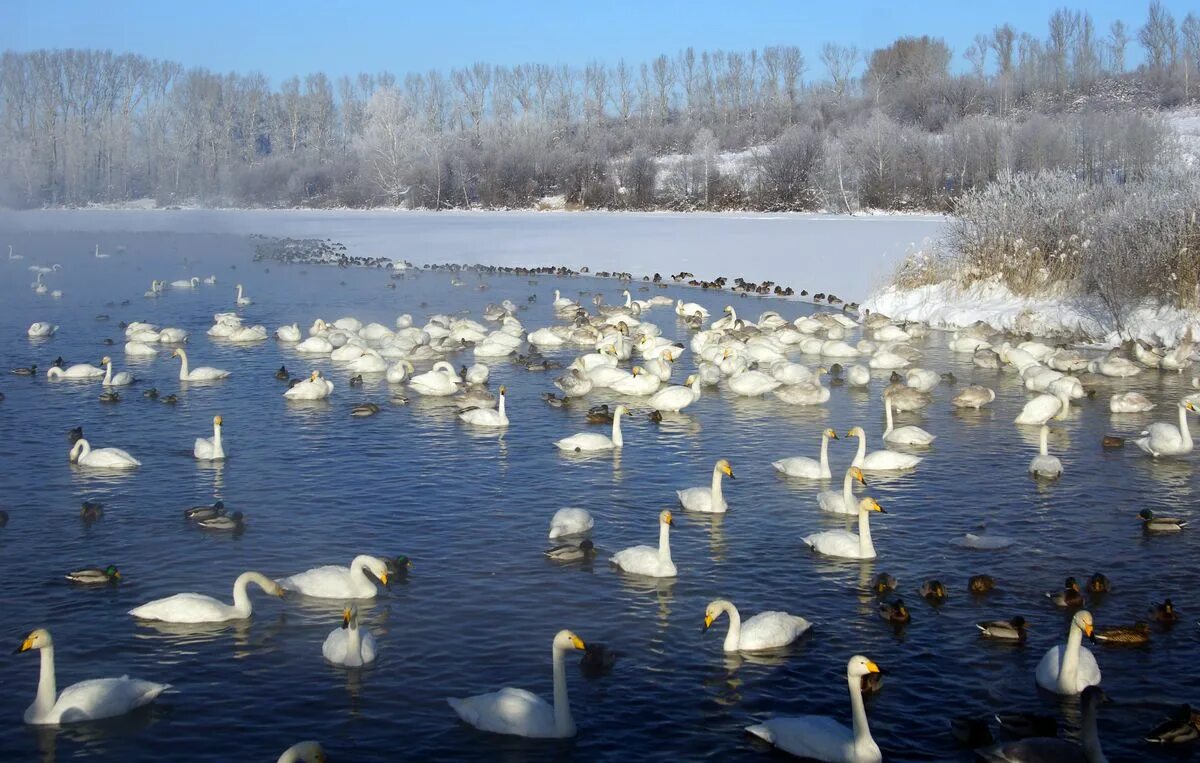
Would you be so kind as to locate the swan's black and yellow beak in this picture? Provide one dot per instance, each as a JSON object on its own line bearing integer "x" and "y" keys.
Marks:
{"x": 25, "y": 646}
{"x": 346, "y": 618}
{"x": 708, "y": 621}
{"x": 383, "y": 577}
{"x": 578, "y": 643}
{"x": 873, "y": 668}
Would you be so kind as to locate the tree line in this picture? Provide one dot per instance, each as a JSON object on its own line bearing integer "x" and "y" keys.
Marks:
{"x": 770, "y": 129}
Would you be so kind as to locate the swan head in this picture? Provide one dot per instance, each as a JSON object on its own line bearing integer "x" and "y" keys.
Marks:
{"x": 856, "y": 432}
{"x": 870, "y": 504}
{"x": 308, "y": 752}
{"x": 726, "y": 468}
{"x": 1083, "y": 621}
{"x": 37, "y": 639}
{"x": 830, "y": 434}
{"x": 1187, "y": 404}
{"x": 623, "y": 411}
{"x": 350, "y": 617}
{"x": 714, "y": 611}
{"x": 860, "y": 666}
{"x": 503, "y": 390}
{"x": 314, "y": 376}
{"x": 857, "y": 474}
{"x": 665, "y": 518}
{"x": 565, "y": 640}
{"x": 176, "y": 353}
{"x": 217, "y": 421}
{"x": 105, "y": 360}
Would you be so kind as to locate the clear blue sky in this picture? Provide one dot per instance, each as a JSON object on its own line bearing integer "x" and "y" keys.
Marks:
{"x": 300, "y": 36}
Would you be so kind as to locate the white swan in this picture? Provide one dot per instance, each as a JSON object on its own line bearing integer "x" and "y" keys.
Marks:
{"x": 880, "y": 460}
{"x": 241, "y": 299}
{"x": 802, "y": 466}
{"x": 315, "y": 345}
{"x": 1042, "y": 408}
{"x": 440, "y": 381}
{"x": 203, "y": 373}
{"x": 210, "y": 449}
{"x": 648, "y": 560}
{"x": 676, "y": 397}
{"x": 907, "y": 435}
{"x": 139, "y": 349}
{"x": 487, "y": 417}
{"x": 333, "y": 582}
{"x": 349, "y": 645}
{"x": 820, "y": 737}
{"x": 766, "y": 630}
{"x": 845, "y": 544}
{"x": 198, "y": 608}
{"x": 290, "y": 334}
{"x": 191, "y": 283}
{"x": 521, "y": 713}
{"x": 77, "y": 371}
{"x": 752, "y": 383}
{"x": 1044, "y": 464}
{"x": 591, "y": 441}
{"x": 121, "y": 379}
{"x": 399, "y": 372}
{"x": 313, "y": 388}
{"x": 561, "y": 302}
{"x": 304, "y": 752}
{"x": 1129, "y": 402}
{"x": 708, "y": 499}
{"x": 85, "y": 701}
{"x": 41, "y": 329}
{"x": 843, "y": 502}
{"x": 1070, "y": 668}
{"x": 1162, "y": 439}
{"x": 570, "y": 521}
{"x": 858, "y": 376}
{"x": 101, "y": 458}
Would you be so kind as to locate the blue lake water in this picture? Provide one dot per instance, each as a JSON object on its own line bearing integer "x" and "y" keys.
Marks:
{"x": 472, "y": 509}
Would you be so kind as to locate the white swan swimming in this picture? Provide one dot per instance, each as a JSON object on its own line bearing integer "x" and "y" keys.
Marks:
{"x": 191, "y": 283}
{"x": 139, "y": 349}
{"x": 101, "y": 458}
{"x": 858, "y": 376}
{"x": 590, "y": 442}
{"x": 289, "y": 333}
{"x": 521, "y": 713}
{"x": 648, "y": 560}
{"x": 752, "y": 383}
{"x": 820, "y": 737}
{"x": 85, "y": 701}
{"x": 1044, "y": 464}
{"x": 203, "y": 373}
{"x": 1042, "y": 408}
{"x": 708, "y": 499}
{"x": 313, "y": 388}
{"x": 1161, "y": 439}
{"x": 570, "y": 521}
{"x": 676, "y": 397}
{"x": 907, "y": 435}
{"x": 349, "y": 645}
{"x": 41, "y": 329}
{"x": 766, "y": 630}
{"x": 309, "y": 751}
{"x": 487, "y": 417}
{"x": 802, "y": 466}
{"x": 845, "y": 544}
{"x": 242, "y": 300}
{"x": 1070, "y": 668}
{"x": 843, "y": 502}
{"x": 561, "y": 302}
{"x": 333, "y": 582}
{"x": 210, "y": 449}
{"x": 880, "y": 460}
{"x": 198, "y": 608}
{"x": 121, "y": 379}
{"x": 77, "y": 371}
{"x": 440, "y": 381}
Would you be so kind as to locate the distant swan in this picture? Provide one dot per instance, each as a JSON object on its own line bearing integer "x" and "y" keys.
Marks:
{"x": 210, "y": 449}
{"x": 242, "y": 300}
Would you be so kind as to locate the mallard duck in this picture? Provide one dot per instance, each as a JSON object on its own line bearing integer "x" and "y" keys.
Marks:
{"x": 1164, "y": 613}
{"x": 872, "y": 683}
{"x": 655, "y": 417}
{"x": 599, "y": 414}
{"x": 110, "y": 397}
{"x": 894, "y": 612}
{"x": 981, "y": 584}
{"x": 170, "y": 400}
{"x": 282, "y": 374}
{"x": 364, "y": 410}
{"x": 1182, "y": 725}
{"x": 398, "y": 567}
{"x": 1157, "y": 524}
{"x": 356, "y": 381}
{"x": 234, "y": 521}
{"x": 1069, "y": 596}
{"x": 569, "y": 552}
{"x": 1131, "y": 635}
{"x": 91, "y": 511}
{"x": 1111, "y": 441}
{"x": 597, "y": 660}
{"x": 151, "y": 394}
{"x": 1004, "y": 630}
{"x": 552, "y": 400}
{"x": 883, "y": 584}
{"x": 1098, "y": 583}
{"x": 3, "y": 517}
{"x": 1026, "y": 725}
{"x": 933, "y": 590}
{"x": 26, "y": 371}
{"x": 75, "y": 434}
{"x": 197, "y": 513}
{"x": 95, "y": 576}
{"x": 399, "y": 399}
{"x": 971, "y": 731}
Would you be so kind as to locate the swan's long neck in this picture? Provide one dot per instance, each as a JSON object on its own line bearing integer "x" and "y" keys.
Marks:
{"x": 241, "y": 597}
{"x": 824, "y": 454}
{"x": 1090, "y": 735}
{"x": 616, "y": 431}
{"x": 183, "y": 368}
{"x": 862, "y": 452}
{"x": 54, "y": 372}
{"x": 732, "y": 316}
{"x": 564, "y": 724}
{"x": 862, "y": 732}
{"x": 717, "y": 496}
{"x": 358, "y": 570}
{"x": 47, "y": 692}
{"x": 887, "y": 411}
{"x": 108, "y": 373}
{"x": 1183, "y": 427}
{"x": 218, "y": 450}
{"x": 1044, "y": 447}
{"x": 733, "y": 638}
{"x": 847, "y": 487}
{"x": 239, "y": 288}
{"x": 354, "y": 641}
{"x": 628, "y": 299}
{"x": 664, "y": 543}
{"x": 696, "y": 386}
{"x": 80, "y": 449}
{"x": 1069, "y": 668}
{"x": 865, "y": 547}
{"x": 503, "y": 414}
{"x": 1064, "y": 406}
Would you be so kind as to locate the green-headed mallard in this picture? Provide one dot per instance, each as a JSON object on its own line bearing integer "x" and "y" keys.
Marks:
{"x": 95, "y": 575}
{"x": 1156, "y": 524}
{"x": 1069, "y": 596}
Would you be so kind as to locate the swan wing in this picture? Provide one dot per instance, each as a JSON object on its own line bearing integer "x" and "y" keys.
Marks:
{"x": 203, "y": 447}
{"x": 102, "y": 698}
{"x": 1087, "y": 674}
{"x": 808, "y": 736}
{"x": 798, "y": 466}
{"x": 639, "y": 560}
{"x": 185, "y": 608}
{"x": 328, "y": 582}
{"x": 771, "y": 630}
{"x": 585, "y": 441}
{"x": 508, "y": 711}
{"x": 570, "y": 521}
{"x": 696, "y": 499}
{"x": 889, "y": 461}
{"x": 337, "y": 646}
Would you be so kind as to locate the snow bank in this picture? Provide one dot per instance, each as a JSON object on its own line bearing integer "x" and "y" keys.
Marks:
{"x": 947, "y": 305}
{"x": 1186, "y": 123}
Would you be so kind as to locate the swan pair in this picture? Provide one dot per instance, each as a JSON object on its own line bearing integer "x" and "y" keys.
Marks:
{"x": 197, "y": 608}
{"x": 487, "y": 417}
{"x": 708, "y": 499}
{"x": 210, "y": 449}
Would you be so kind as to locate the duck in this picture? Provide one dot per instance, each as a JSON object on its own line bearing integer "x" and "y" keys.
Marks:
{"x": 907, "y": 435}
{"x": 648, "y": 560}
{"x": 597, "y": 660}
{"x": 210, "y": 448}
{"x": 569, "y": 552}
{"x": 1070, "y": 668}
{"x": 313, "y": 388}
{"x": 197, "y": 608}
{"x": 766, "y": 630}
{"x": 1098, "y": 583}
{"x": 845, "y": 544}
{"x": 880, "y": 460}
{"x": 1130, "y": 402}
{"x": 1151, "y": 522}
{"x": 1180, "y": 727}
{"x": 979, "y": 584}
{"x": 1013, "y": 629}
{"x": 197, "y": 513}
{"x": 1069, "y": 596}
{"x": 933, "y": 591}
{"x": 570, "y": 521}
{"x": 90, "y": 511}
{"x": 974, "y": 396}
{"x": 1043, "y": 464}
{"x": 304, "y": 752}
{"x": 807, "y": 468}
{"x": 884, "y": 584}
{"x": 364, "y": 410}
{"x": 599, "y": 414}
{"x": 203, "y": 373}
{"x": 894, "y": 612}
{"x": 843, "y": 502}
{"x": 708, "y": 499}
{"x": 970, "y": 731}
{"x": 1161, "y": 439}
{"x": 350, "y": 645}
{"x": 1053, "y": 749}
{"x": 95, "y": 575}
{"x": 90, "y": 700}
{"x": 235, "y": 522}
{"x": 591, "y": 442}
{"x": 824, "y": 739}
{"x": 517, "y": 712}
{"x": 101, "y": 458}
{"x": 333, "y": 582}
{"x": 1123, "y": 635}
{"x": 25, "y": 370}
{"x": 110, "y": 396}
{"x": 487, "y": 417}
{"x": 1164, "y": 613}
{"x": 1026, "y": 725}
